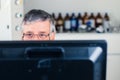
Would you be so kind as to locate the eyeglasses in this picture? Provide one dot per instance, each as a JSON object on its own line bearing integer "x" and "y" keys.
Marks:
{"x": 32, "y": 35}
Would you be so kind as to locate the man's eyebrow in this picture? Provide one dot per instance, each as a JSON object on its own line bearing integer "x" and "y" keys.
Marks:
{"x": 42, "y": 32}
{"x": 29, "y": 32}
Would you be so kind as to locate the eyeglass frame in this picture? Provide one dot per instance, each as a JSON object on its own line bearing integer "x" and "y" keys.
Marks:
{"x": 38, "y": 35}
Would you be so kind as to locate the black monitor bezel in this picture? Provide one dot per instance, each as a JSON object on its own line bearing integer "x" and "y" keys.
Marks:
{"x": 61, "y": 43}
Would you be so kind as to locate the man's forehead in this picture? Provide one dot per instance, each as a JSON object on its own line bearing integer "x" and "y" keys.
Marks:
{"x": 39, "y": 25}
{"x": 35, "y": 23}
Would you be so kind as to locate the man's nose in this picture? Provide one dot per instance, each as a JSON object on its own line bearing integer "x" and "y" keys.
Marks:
{"x": 36, "y": 37}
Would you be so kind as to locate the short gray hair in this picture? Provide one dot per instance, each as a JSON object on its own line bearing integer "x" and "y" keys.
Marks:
{"x": 38, "y": 15}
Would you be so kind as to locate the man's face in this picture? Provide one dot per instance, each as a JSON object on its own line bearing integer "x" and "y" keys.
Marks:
{"x": 39, "y": 30}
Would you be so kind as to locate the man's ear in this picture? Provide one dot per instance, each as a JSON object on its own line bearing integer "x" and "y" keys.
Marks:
{"x": 52, "y": 36}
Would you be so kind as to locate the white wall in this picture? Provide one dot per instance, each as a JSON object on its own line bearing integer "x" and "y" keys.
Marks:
{"x": 5, "y": 20}
{"x": 9, "y": 21}
{"x": 110, "y": 6}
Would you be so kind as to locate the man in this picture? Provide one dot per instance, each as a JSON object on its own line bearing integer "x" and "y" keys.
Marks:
{"x": 38, "y": 25}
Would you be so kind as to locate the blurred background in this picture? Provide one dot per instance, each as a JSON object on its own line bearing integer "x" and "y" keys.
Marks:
{"x": 74, "y": 20}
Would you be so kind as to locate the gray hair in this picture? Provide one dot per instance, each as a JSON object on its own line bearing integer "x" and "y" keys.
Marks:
{"x": 38, "y": 15}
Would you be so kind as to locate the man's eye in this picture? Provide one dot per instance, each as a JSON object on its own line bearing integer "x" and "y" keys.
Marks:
{"x": 41, "y": 34}
{"x": 29, "y": 34}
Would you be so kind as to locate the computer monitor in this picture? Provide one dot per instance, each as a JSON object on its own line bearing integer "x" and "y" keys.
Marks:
{"x": 53, "y": 60}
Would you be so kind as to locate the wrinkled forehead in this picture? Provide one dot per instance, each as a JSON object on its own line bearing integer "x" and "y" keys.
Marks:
{"x": 37, "y": 26}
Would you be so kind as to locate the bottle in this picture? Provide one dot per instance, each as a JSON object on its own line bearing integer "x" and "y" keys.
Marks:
{"x": 79, "y": 21}
{"x": 59, "y": 23}
{"x": 54, "y": 17}
{"x": 85, "y": 20}
{"x": 73, "y": 22}
{"x": 99, "y": 23}
{"x": 67, "y": 25}
{"x": 99, "y": 20}
{"x": 106, "y": 22}
{"x": 91, "y": 23}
